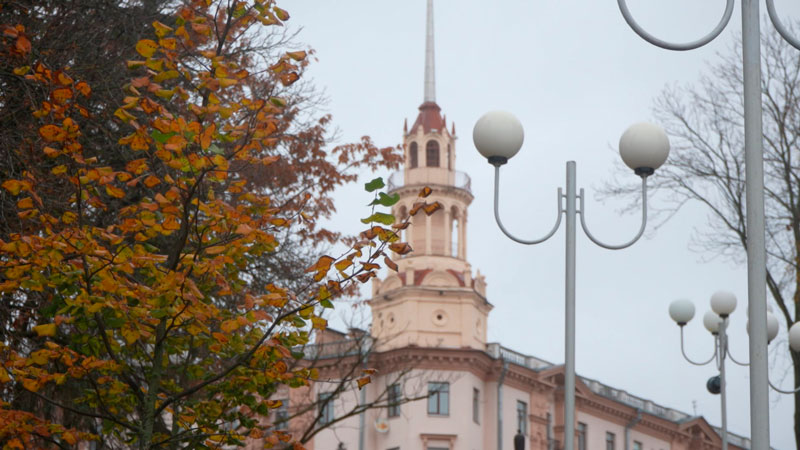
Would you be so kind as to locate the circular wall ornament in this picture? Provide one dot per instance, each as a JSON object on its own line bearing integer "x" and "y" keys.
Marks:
{"x": 439, "y": 318}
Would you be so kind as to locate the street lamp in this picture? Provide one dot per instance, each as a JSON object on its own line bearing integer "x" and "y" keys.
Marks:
{"x": 754, "y": 195}
{"x": 644, "y": 147}
{"x": 723, "y": 303}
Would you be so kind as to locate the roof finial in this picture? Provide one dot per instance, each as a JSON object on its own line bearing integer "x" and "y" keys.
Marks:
{"x": 430, "y": 76}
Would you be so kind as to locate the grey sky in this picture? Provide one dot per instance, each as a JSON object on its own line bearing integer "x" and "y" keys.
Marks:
{"x": 576, "y": 76}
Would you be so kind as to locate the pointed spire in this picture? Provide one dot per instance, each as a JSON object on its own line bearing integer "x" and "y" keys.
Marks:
{"x": 405, "y": 126}
{"x": 430, "y": 76}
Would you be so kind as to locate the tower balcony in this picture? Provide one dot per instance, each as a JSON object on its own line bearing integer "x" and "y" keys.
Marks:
{"x": 432, "y": 177}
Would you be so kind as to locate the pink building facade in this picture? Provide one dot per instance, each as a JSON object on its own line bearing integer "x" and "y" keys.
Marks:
{"x": 429, "y": 324}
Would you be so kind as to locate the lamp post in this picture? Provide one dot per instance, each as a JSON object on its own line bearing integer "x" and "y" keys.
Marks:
{"x": 643, "y": 147}
{"x": 723, "y": 304}
{"x": 754, "y": 191}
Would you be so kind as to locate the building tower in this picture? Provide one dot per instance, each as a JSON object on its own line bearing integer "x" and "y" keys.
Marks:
{"x": 433, "y": 300}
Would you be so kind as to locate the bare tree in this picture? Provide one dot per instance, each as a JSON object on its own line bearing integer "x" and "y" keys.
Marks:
{"x": 705, "y": 125}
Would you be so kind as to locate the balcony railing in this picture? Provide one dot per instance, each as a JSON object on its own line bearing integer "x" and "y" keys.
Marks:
{"x": 430, "y": 177}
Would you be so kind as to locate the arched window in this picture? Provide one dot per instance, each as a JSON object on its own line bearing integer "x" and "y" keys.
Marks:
{"x": 412, "y": 154}
{"x": 432, "y": 154}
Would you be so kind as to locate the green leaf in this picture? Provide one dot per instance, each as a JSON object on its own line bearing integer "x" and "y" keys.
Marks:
{"x": 326, "y": 303}
{"x": 386, "y": 219}
{"x": 385, "y": 200}
{"x": 161, "y": 137}
{"x": 374, "y": 185}
{"x": 214, "y": 149}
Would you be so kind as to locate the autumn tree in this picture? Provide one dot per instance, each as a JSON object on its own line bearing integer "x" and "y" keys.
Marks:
{"x": 131, "y": 263}
{"x": 705, "y": 124}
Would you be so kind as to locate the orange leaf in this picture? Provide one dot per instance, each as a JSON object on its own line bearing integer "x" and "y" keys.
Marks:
{"x": 146, "y": 47}
{"x": 151, "y": 181}
{"x": 205, "y": 137}
{"x": 23, "y": 45}
{"x": 389, "y": 263}
{"x": 52, "y": 133}
{"x": 83, "y": 88}
{"x": 432, "y": 208}
{"x": 401, "y": 248}
{"x": 426, "y": 191}
{"x": 170, "y": 223}
{"x": 61, "y": 95}
{"x": 363, "y": 382}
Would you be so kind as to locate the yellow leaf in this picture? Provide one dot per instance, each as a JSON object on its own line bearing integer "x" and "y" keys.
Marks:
{"x": 343, "y": 264}
{"x": 319, "y": 323}
{"x": 20, "y": 71}
{"x": 161, "y": 29}
{"x": 132, "y": 64}
{"x": 169, "y": 43}
{"x": 225, "y": 82}
{"x": 130, "y": 336}
{"x": 40, "y": 357}
{"x": 114, "y": 191}
{"x": 297, "y": 56}
{"x": 146, "y": 47}
{"x": 4, "y": 377}
{"x": 58, "y": 170}
{"x": 229, "y": 326}
{"x": 48, "y": 329}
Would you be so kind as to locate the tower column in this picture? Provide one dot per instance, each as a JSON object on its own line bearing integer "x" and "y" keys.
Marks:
{"x": 462, "y": 235}
{"x": 447, "y": 232}
{"x": 428, "y": 243}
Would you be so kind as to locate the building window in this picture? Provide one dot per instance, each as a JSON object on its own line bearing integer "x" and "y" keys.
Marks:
{"x": 476, "y": 394}
{"x": 432, "y": 154}
{"x": 325, "y": 400}
{"x": 610, "y": 437}
{"x": 282, "y": 415}
{"x": 522, "y": 417}
{"x": 449, "y": 158}
{"x": 412, "y": 154}
{"x": 581, "y": 436}
{"x": 439, "y": 399}
{"x": 394, "y": 400}
{"x": 637, "y": 445}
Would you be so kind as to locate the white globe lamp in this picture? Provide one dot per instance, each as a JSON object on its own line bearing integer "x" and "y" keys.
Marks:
{"x": 644, "y": 147}
{"x": 712, "y": 322}
{"x": 723, "y": 303}
{"x": 681, "y": 311}
{"x": 498, "y": 136}
{"x": 794, "y": 337}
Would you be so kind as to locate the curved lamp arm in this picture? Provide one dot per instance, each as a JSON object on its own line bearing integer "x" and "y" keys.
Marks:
{"x": 782, "y": 30}
{"x": 734, "y": 359}
{"x": 693, "y": 362}
{"x": 726, "y": 17}
{"x": 781, "y": 390}
{"x": 635, "y": 238}
{"x": 500, "y": 223}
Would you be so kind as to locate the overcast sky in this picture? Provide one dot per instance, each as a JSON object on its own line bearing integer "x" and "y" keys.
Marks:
{"x": 576, "y": 76}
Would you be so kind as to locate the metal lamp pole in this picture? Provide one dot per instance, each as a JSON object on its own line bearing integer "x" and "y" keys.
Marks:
{"x": 723, "y": 304}
{"x": 644, "y": 147}
{"x": 754, "y": 186}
